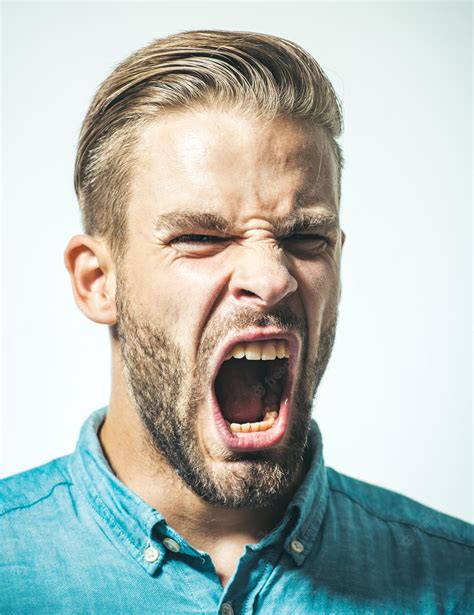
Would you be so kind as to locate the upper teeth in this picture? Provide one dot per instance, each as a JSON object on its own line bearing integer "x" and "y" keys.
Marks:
{"x": 266, "y": 350}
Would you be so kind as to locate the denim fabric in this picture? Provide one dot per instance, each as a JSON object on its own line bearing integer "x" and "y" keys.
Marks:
{"x": 74, "y": 539}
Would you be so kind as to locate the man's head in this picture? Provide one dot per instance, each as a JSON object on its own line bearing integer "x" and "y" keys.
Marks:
{"x": 209, "y": 179}
{"x": 255, "y": 74}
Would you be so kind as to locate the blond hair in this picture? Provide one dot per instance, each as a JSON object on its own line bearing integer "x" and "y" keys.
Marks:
{"x": 264, "y": 74}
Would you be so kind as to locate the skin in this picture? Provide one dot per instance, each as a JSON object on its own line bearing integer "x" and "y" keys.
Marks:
{"x": 254, "y": 173}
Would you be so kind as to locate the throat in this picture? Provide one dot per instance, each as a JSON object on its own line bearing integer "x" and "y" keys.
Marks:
{"x": 247, "y": 390}
{"x": 239, "y": 388}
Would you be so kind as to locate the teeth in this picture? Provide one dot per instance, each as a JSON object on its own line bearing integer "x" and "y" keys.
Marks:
{"x": 269, "y": 351}
{"x": 267, "y": 422}
{"x": 238, "y": 351}
{"x": 281, "y": 350}
{"x": 255, "y": 351}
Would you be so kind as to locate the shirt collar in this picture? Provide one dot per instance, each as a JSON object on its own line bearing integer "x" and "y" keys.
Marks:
{"x": 125, "y": 518}
{"x": 309, "y": 502}
{"x": 131, "y": 523}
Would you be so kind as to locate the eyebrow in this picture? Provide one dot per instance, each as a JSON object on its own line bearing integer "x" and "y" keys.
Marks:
{"x": 180, "y": 220}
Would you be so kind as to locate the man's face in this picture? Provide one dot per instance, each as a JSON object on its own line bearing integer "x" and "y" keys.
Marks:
{"x": 233, "y": 254}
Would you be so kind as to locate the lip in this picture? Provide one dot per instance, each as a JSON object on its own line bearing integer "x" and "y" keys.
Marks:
{"x": 265, "y": 439}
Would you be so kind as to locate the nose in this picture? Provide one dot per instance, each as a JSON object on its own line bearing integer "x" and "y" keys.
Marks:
{"x": 261, "y": 277}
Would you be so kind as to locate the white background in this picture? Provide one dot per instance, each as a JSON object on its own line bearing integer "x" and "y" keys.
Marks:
{"x": 395, "y": 405}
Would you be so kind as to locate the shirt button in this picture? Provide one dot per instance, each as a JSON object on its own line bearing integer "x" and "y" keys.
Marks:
{"x": 171, "y": 545}
{"x": 226, "y": 609}
{"x": 151, "y": 554}
{"x": 297, "y": 546}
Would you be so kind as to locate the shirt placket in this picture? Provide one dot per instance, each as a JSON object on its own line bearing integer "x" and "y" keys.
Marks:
{"x": 194, "y": 567}
{"x": 250, "y": 577}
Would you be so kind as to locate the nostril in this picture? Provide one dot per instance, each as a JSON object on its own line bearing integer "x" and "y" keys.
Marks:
{"x": 247, "y": 293}
{"x": 268, "y": 289}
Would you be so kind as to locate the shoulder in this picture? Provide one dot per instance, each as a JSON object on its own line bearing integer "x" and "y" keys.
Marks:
{"x": 399, "y": 511}
{"x": 25, "y": 490}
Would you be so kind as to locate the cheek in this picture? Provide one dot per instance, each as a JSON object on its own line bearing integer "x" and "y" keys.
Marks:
{"x": 319, "y": 283}
{"x": 319, "y": 286}
{"x": 185, "y": 293}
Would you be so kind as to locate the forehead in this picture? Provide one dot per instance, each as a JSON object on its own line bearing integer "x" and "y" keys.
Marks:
{"x": 235, "y": 165}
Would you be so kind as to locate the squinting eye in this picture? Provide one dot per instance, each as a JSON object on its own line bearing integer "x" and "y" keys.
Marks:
{"x": 310, "y": 240}
{"x": 197, "y": 239}
{"x": 306, "y": 236}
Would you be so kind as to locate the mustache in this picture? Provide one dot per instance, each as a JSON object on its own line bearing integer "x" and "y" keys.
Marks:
{"x": 281, "y": 317}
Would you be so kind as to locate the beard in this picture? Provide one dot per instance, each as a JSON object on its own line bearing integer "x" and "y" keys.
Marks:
{"x": 169, "y": 395}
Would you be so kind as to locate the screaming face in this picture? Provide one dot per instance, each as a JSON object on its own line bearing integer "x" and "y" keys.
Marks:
{"x": 227, "y": 299}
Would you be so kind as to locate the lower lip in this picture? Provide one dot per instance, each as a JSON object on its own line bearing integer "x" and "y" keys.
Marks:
{"x": 254, "y": 441}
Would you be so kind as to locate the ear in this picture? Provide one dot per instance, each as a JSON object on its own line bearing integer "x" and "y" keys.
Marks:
{"x": 93, "y": 278}
{"x": 343, "y": 240}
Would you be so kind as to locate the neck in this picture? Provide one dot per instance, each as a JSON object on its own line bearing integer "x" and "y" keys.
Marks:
{"x": 145, "y": 472}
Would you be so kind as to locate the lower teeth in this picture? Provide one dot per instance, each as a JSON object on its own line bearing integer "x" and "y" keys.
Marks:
{"x": 267, "y": 422}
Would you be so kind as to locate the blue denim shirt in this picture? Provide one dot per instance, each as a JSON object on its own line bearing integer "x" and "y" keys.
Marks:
{"x": 74, "y": 539}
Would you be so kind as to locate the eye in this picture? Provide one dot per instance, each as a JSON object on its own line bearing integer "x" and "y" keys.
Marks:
{"x": 198, "y": 239}
{"x": 197, "y": 245}
{"x": 306, "y": 236}
{"x": 307, "y": 242}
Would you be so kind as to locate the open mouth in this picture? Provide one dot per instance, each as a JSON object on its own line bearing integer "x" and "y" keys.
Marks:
{"x": 251, "y": 393}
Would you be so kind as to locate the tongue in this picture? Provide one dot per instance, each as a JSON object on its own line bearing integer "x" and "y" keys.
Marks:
{"x": 239, "y": 390}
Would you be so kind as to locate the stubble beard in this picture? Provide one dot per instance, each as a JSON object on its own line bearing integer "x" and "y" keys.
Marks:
{"x": 167, "y": 394}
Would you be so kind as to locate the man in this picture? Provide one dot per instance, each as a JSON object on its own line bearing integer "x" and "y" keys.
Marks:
{"x": 208, "y": 175}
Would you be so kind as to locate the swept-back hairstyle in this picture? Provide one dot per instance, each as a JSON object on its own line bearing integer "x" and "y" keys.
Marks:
{"x": 251, "y": 72}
